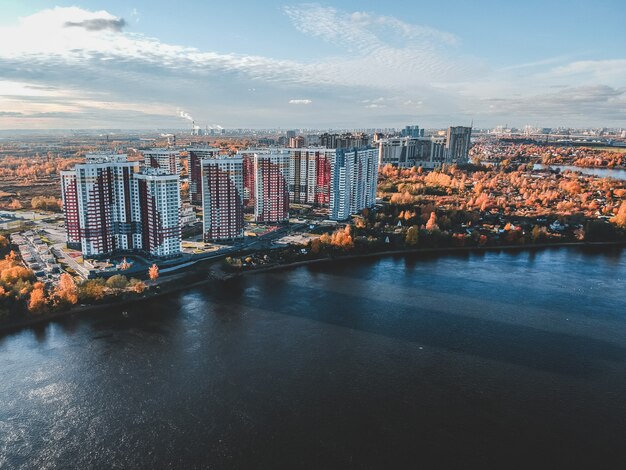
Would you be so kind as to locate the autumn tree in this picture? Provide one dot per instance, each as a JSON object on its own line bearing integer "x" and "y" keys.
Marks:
{"x": 16, "y": 273}
{"x": 66, "y": 292}
{"x": 118, "y": 281}
{"x": 4, "y": 244}
{"x": 315, "y": 246}
{"x": 432, "y": 222}
{"x": 92, "y": 289}
{"x": 37, "y": 299}
{"x": 153, "y": 272}
{"x": 15, "y": 205}
{"x": 620, "y": 217}
{"x": 46, "y": 203}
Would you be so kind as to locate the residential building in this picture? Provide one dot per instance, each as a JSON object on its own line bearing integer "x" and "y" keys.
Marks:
{"x": 342, "y": 141}
{"x": 410, "y": 151}
{"x": 69, "y": 194}
{"x": 97, "y": 202}
{"x": 354, "y": 176}
{"x": 411, "y": 131}
{"x": 458, "y": 144}
{"x": 158, "y": 198}
{"x": 196, "y": 156}
{"x": 297, "y": 142}
{"x": 309, "y": 175}
{"x": 248, "y": 179}
{"x": 164, "y": 159}
{"x": 313, "y": 140}
{"x": 222, "y": 197}
{"x": 108, "y": 210}
{"x": 271, "y": 169}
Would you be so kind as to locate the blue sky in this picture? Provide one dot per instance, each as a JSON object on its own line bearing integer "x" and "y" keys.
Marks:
{"x": 144, "y": 64}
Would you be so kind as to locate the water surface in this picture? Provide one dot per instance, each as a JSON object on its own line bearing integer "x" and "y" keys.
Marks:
{"x": 494, "y": 358}
{"x": 616, "y": 173}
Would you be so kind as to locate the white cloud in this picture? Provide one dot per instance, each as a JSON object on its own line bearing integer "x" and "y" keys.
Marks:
{"x": 96, "y": 66}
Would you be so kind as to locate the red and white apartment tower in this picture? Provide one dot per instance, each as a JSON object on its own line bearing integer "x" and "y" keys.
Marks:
{"x": 271, "y": 170}
{"x": 222, "y": 197}
{"x": 104, "y": 213}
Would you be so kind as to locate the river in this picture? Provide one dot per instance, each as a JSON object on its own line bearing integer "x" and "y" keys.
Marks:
{"x": 616, "y": 173}
{"x": 496, "y": 358}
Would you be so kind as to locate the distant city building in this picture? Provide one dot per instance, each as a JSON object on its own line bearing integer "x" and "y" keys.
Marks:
{"x": 309, "y": 175}
{"x": 196, "y": 155}
{"x": 266, "y": 141}
{"x": 108, "y": 209}
{"x": 313, "y": 140}
{"x": 168, "y": 160}
{"x": 354, "y": 177}
{"x": 412, "y": 131}
{"x": 290, "y": 134}
{"x": 342, "y": 141}
{"x": 438, "y": 149}
{"x": 297, "y": 142}
{"x": 458, "y": 142}
{"x": 400, "y": 151}
{"x": 271, "y": 170}
{"x": 426, "y": 152}
{"x": 222, "y": 197}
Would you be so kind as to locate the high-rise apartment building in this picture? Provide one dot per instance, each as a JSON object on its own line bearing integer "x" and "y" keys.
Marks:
{"x": 196, "y": 156}
{"x": 105, "y": 213}
{"x": 458, "y": 144}
{"x": 271, "y": 169}
{"x": 98, "y": 205}
{"x": 158, "y": 197}
{"x": 222, "y": 197}
{"x": 248, "y": 177}
{"x": 164, "y": 159}
{"x": 309, "y": 175}
{"x": 354, "y": 176}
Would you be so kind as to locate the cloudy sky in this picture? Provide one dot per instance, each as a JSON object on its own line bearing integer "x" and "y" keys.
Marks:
{"x": 153, "y": 63}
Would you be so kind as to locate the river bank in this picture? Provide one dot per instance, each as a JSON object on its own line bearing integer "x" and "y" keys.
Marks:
{"x": 176, "y": 283}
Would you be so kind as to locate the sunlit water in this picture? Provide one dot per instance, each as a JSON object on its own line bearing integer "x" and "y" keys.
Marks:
{"x": 616, "y": 173}
{"x": 393, "y": 363}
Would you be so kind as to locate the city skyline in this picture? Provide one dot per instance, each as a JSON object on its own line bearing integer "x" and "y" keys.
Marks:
{"x": 96, "y": 64}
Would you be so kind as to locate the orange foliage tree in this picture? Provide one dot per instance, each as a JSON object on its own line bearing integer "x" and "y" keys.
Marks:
{"x": 341, "y": 238}
{"x": 37, "y": 300}
{"x": 66, "y": 293}
{"x": 620, "y": 217}
{"x": 432, "y": 222}
{"x": 153, "y": 272}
